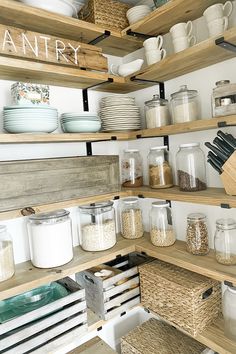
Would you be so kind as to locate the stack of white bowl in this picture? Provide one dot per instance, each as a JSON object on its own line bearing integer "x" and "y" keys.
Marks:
{"x": 30, "y": 119}
{"x": 80, "y": 122}
{"x": 119, "y": 113}
{"x": 136, "y": 13}
{"x": 62, "y": 7}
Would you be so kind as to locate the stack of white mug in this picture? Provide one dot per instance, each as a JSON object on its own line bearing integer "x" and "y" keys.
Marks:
{"x": 217, "y": 17}
{"x": 153, "y": 49}
{"x": 181, "y": 34}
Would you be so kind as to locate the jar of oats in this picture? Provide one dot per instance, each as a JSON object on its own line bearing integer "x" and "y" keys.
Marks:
{"x": 97, "y": 226}
{"x": 161, "y": 228}
{"x": 197, "y": 234}
{"x": 131, "y": 219}
{"x": 225, "y": 245}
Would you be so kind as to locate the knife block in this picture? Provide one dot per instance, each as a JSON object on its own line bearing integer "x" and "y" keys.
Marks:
{"x": 228, "y": 176}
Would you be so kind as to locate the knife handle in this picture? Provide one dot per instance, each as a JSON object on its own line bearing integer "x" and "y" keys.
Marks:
{"x": 223, "y": 145}
{"x": 215, "y": 159}
{"x": 228, "y": 138}
{"x": 218, "y": 152}
{"x": 214, "y": 166}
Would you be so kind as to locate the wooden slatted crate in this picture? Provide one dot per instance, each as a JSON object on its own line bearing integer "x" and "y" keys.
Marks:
{"x": 111, "y": 296}
{"x": 33, "y": 329}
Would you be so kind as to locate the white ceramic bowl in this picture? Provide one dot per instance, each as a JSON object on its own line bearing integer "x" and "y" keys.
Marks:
{"x": 138, "y": 8}
{"x": 81, "y": 127}
{"x": 62, "y": 7}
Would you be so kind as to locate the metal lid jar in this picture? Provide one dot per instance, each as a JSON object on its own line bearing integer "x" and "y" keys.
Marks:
{"x": 131, "y": 218}
{"x": 161, "y": 228}
{"x": 225, "y": 241}
{"x": 50, "y": 238}
{"x": 160, "y": 172}
{"x": 197, "y": 234}
{"x": 7, "y": 265}
{"x": 97, "y": 227}
{"x": 184, "y": 105}
{"x": 157, "y": 112}
{"x": 132, "y": 168}
{"x": 191, "y": 169}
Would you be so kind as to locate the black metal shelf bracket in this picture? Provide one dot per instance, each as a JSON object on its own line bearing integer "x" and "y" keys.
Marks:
{"x": 89, "y": 148}
{"x": 129, "y": 32}
{"x": 224, "y": 124}
{"x": 166, "y": 141}
{"x": 226, "y": 45}
{"x": 225, "y": 206}
{"x": 144, "y": 81}
{"x": 100, "y": 38}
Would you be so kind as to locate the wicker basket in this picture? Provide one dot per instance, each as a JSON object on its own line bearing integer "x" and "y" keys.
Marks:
{"x": 185, "y": 299}
{"x": 154, "y": 337}
{"x": 106, "y": 13}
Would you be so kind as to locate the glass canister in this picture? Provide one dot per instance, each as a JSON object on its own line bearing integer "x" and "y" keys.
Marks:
{"x": 224, "y": 98}
{"x": 132, "y": 169}
{"x": 229, "y": 312}
{"x": 7, "y": 265}
{"x": 191, "y": 169}
{"x": 157, "y": 112}
{"x": 131, "y": 219}
{"x": 197, "y": 234}
{"x": 184, "y": 105}
{"x": 161, "y": 228}
{"x": 225, "y": 241}
{"x": 160, "y": 172}
{"x": 50, "y": 238}
{"x": 97, "y": 226}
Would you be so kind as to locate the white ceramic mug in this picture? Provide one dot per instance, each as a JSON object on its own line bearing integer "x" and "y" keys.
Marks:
{"x": 153, "y": 43}
{"x": 218, "y": 11}
{"x": 153, "y": 56}
{"x": 182, "y": 43}
{"x": 218, "y": 26}
{"x": 181, "y": 29}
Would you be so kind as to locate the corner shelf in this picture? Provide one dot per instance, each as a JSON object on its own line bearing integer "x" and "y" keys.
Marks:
{"x": 160, "y": 20}
{"x": 19, "y": 15}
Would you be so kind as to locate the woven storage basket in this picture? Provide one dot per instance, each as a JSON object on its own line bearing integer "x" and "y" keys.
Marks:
{"x": 156, "y": 337}
{"x": 106, "y": 13}
{"x": 186, "y": 299}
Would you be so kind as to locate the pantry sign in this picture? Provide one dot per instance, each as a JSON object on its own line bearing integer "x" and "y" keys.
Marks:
{"x": 34, "y": 46}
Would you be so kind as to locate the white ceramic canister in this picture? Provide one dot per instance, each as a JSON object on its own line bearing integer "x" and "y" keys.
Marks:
{"x": 50, "y": 238}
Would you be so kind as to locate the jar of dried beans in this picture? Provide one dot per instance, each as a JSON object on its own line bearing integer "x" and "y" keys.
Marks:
{"x": 197, "y": 234}
{"x": 7, "y": 266}
{"x": 161, "y": 228}
{"x": 225, "y": 241}
{"x": 191, "y": 170}
{"x": 131, "y": 219}
{"x": 160, "y": 172}
{"x": 132, "y": 169}
{"x": 97, "y": 226}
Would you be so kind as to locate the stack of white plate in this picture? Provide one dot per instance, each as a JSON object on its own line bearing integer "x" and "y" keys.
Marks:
{"x": 119, "y": 113}
{"x": 136, "y": 13}
{"x": 30, "y": 119}
{"x": 80, "y": 122}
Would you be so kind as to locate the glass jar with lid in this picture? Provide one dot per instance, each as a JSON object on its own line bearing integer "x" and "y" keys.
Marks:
{"x": 7, "y": 265}
{"x": 224, "y": 98}
{"x": 157, "y": 112}
{"x": 50, "y": 238}
{"x": 225, "y": 241}
{"x": 197, "y": 234}
{"x": 184, "y": 105}
{"x": 191, "y": 169}
{"x": 161, "y": 228}
{"x": 131, "y": 218}
{"x": 97, "y": 226}
{"x": 132, "y": 169}
{"x": 229, "y": 312}
{"x": 160, "y": 172}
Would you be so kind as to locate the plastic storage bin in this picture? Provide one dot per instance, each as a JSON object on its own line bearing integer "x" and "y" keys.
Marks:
{"x": 97, "y": 226}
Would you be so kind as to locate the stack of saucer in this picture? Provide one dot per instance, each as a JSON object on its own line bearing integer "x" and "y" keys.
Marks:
{"x": 119, "y": 113}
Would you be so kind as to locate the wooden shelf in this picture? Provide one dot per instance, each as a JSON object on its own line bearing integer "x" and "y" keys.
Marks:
{"x": 178, "y": 255}
{"x": 198, "y": 125}
{"x": 210, "y": 196}
{"x": 199, "y": 56}
{"x": 19, "y": 15}
{"x": 175, "y": 11}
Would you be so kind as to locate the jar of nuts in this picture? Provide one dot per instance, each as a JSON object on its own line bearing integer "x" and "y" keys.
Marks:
{"x": 197, "y": 234}
{"x": 225, "y": 245}
{"x": 161, "y": 228}
{"x": 131, "y": 219}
